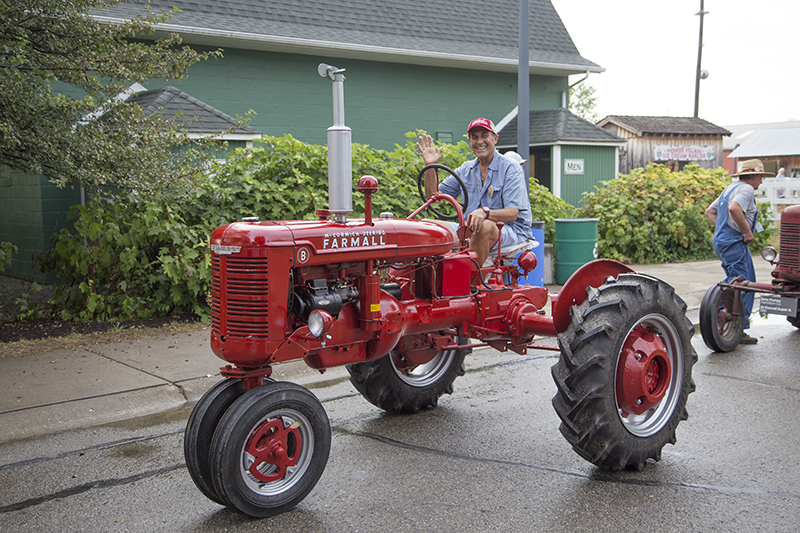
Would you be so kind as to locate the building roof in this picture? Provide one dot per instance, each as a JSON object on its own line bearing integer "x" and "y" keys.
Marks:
{"x": 740, "y": 132}
{"x": 770, "y": 143}
{"x": 665, "y": 125}
{"x": 463, "y": 34}
{"x": 194, "y": 116}
{"x": 554, "y": 126}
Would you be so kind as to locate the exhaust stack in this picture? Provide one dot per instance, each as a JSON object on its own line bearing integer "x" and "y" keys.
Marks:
{"x": 340, "y": 163}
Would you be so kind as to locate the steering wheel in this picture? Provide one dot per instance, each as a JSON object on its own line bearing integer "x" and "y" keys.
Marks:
{"x": 420, "y": 186}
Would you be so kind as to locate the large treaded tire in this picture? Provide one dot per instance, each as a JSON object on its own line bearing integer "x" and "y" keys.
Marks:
{"x": 384, "y": 385}
{"x": 794, "y": 320}
{"x": 721, "y": 330}
{"x": 587, "y": 375}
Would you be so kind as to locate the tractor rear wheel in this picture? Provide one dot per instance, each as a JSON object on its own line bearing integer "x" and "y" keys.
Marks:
{"x": 721, "y": 328}
{"x": 395, "y": 386}
{"x": 625, "y": 372}
{"x": 270, "y": 449}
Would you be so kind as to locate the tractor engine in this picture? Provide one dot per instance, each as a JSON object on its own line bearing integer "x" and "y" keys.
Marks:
{"x": 340, "y": 293}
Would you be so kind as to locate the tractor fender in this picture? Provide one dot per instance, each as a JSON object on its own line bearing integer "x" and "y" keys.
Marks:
{"x": 592, "y": 274}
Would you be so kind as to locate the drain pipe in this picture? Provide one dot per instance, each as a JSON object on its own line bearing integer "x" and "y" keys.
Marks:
{"x": 565, "y": 92}
{"x": 340, "y": 161}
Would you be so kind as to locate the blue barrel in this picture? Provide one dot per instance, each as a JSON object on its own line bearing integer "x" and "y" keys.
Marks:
{"x": 536, "y": 276}
{"x": 576, "y": 245}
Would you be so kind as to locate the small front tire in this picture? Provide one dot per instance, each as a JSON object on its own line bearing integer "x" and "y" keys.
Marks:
{"x": 270, "y": 449}
{"x": 200, "y": 429}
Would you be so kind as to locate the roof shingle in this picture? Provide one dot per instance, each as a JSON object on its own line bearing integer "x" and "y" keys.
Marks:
{"x": 665, "y": 125}
{"x": 193, "y": 115}
{"x": 414, "y": 29}
{"x": 549, "y": 126}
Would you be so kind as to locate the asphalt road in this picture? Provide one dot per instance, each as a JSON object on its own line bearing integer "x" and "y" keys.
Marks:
{"x": 489, "y": 458}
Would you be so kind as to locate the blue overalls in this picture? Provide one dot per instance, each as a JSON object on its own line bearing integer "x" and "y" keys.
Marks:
{"x": 731, "y": 249}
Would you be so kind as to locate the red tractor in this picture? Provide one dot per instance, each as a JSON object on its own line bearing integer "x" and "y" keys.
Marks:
{"x": 398, "y": 301}
{"x": 721, "y": 311}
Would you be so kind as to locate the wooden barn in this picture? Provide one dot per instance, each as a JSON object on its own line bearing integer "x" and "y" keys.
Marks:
{"x": 671, "y": 141}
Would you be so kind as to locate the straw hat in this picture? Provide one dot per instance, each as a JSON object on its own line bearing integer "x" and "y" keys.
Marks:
{"x": 753, "y": 167}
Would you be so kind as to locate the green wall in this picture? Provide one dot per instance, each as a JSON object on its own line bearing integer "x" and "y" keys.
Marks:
{"x": 31, "y": 210}
{"x": 598, "y": 165}
{"x": 383, "y": 101}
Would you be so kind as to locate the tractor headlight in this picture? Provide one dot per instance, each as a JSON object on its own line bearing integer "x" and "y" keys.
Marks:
{"x": 769, "y": 254}
{"x": 319, "y": 323}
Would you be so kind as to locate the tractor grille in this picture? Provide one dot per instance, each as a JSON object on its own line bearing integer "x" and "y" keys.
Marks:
{"x": 790, "y": 245}
{"x": 240, "y": 296}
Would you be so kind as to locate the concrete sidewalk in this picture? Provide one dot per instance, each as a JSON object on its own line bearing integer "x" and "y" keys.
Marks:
{"x": 91, "y": 385}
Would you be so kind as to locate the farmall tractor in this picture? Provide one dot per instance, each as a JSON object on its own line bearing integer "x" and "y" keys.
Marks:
{"x": 722, "y": 308}
{"x": 399, "y": 300}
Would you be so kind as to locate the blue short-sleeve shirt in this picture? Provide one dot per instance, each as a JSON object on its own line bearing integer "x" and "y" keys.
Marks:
{"x": 505, "y": 186}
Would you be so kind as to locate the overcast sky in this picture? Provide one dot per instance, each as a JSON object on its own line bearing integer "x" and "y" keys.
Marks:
{"x": 649, "y": 50}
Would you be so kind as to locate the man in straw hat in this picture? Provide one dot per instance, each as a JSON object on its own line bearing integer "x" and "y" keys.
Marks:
{"x": 497, "y": 188}
{"x": 735, "y": 218}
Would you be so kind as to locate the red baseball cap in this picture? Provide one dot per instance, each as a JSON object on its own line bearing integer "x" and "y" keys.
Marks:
{"x": 484, "y": 123}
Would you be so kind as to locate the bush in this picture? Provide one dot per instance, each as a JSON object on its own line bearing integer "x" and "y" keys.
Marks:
{"x": 653, "y": 215}
{"x": 138, "y": 258}
{"x": 547, "y": 208}
{"x": 129, "y": 260}
{"x": 7, "y": 250}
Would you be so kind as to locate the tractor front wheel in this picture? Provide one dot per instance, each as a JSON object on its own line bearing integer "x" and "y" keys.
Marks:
{"x": 395, "y": 385}
{"x": 200, "y": 429}
{"x": 722, "y": 318}
{"x": 270, "y": 449}
{"x": 625, "y": 372}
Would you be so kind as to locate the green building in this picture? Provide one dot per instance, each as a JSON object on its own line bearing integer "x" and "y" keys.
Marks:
{"x": 432, "y": 65}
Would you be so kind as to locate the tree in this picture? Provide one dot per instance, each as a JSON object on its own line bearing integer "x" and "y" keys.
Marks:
{"x": 61, "y": 74}
{"x": 582, "y": 101}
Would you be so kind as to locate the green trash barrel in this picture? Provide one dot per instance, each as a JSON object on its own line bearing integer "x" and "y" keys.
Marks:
{"x": 576, "y": 245}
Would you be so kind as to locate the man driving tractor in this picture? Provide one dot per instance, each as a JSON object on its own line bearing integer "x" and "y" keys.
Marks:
{"x": 496, "y": 185}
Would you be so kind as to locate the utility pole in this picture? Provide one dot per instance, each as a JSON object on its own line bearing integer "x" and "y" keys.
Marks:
{"x": 699, "y": 73}
{"x": 523, "y": 88}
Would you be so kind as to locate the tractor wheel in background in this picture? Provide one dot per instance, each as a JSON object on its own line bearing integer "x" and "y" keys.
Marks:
{"x": 200, "y": 429}
{"x": 720, "y": 327}
{"x": 394, "y": 385}
{"x": 625, "y": 372}
{"x": 794, "y": 320}
{"x": 270, "y": 449}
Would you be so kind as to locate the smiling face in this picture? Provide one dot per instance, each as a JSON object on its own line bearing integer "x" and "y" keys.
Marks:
{"x": 482, "y": 142}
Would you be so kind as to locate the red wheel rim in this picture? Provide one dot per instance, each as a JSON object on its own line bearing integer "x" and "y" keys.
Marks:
{"x": 644, "y": 372}
{"x": 274, "y": 448}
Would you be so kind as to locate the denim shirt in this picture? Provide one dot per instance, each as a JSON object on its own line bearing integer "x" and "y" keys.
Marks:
{"x": 505, "y": 186}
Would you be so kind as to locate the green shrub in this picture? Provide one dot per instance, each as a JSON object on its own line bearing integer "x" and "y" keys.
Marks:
{"x": 129, "y": 260}
{"x": 6, "y": 251}
{"x": 653, "y": 215}
{"x": 137, "y": 258}
{"x": 547, "y": 208}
